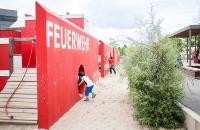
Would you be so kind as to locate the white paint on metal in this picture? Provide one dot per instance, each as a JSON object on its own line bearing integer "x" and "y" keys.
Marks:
{"x": 4, "y": 40}
{"x": 30, "y": 18}
{"x": 17, "y": 61}
{"x": 4, "y": 72}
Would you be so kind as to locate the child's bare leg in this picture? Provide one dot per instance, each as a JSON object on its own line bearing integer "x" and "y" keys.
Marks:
{"x": 87, "y": 98}
{"x": 93, "y": 95}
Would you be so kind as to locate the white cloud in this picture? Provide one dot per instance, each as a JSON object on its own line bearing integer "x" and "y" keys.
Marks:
{"x": 109, "y": 18}
{"x": 177, "y": 14}
{"x": 108, "y": 33}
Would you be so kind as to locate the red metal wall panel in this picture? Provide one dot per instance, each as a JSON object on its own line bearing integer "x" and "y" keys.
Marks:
{"x": 3, "y": 81}
{"x": 27, "y": 32}
{"x": 78, "y": 21}
{"x": 23, "y": 48}
{"x": 4, "y": 63}
{"x": 4, "y": 58}
{"x": 17, "y": 48}
{"x": 26, "y": 52}
{"x": 116, "y": 55}
{"x": 12, "y": 34}
{"x": 103, "y": 59}
{"x": 106, "y": 52}
{"x": 29, "y": 24}
{"x": 9, "y": 33}
{"x": 59, "y": 57}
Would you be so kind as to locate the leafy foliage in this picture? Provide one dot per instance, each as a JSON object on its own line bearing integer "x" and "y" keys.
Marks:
{"x": 179, "y": 43}
{"x": 122, "y": 50}
{"x": 156, "y": 84}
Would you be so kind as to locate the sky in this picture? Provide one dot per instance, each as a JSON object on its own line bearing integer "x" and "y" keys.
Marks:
{"x": 115, "y": 18}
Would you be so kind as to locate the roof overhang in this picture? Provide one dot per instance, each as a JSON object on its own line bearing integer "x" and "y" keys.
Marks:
{"x": 184, "y": 32}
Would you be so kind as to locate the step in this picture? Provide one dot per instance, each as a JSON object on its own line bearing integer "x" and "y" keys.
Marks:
{"x": 14, "y": 121}
{"x": 20, "y": 74}
{"x": 21, "y": 86}
{"x": 19, "y": 91}
{"x": 33, "y": 96}
{"x": 19, "y": 100}
{"x": 19, "y": 110}
{"x": 21, "y": 71}
{"x": 19, "y": 116}
{"x": 18, "y": 78}
{"x": 22, "y": 83}
{"x": 27, "y": 105}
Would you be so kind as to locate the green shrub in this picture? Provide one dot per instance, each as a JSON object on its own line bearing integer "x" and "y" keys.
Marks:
{"x": 155, "y": 84}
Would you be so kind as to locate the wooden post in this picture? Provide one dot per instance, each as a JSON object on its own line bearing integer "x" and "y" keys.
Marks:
{"x": 187, "y": 50}
{"x": 190, "y": 47}
{"x": 195, "y": 43}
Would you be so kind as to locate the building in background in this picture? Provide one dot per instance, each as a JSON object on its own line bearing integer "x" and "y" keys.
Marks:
{"x": 7, "y": 18}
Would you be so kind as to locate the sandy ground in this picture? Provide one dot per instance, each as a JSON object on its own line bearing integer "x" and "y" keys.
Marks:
{"x": 110, "y": 110}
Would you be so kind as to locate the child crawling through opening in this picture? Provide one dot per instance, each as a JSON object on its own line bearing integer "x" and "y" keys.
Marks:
{"x": 88, "y": 83}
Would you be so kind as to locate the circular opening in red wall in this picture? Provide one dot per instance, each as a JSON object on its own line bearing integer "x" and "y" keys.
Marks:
{"x": 81, "y": 88}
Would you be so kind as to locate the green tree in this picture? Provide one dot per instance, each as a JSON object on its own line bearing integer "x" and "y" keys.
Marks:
{"x": 198, "y": 40}
{"x": 155, "y": 79}
{"x": 179, "y": 43}
{"x": 122, "y": 50}
{"x": 156, "y": 84}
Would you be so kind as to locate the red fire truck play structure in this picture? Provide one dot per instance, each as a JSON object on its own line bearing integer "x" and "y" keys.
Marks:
{"x": 58, "y": 49}
{"x": 106, "y": 52}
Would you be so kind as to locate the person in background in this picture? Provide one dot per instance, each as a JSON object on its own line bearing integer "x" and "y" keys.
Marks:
{"x": 112, "y": 65}
{"x": 197, "y": 52}
{"x": 89, "y": 84}
{"x": 196, "y": 57}
{"x": 193, "y": 54}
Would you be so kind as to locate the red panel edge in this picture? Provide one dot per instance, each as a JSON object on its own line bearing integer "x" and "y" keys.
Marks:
{"x": 43, "y": 113}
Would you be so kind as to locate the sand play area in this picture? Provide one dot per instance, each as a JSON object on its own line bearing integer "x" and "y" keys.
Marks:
{"x": 110, "y": 110}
